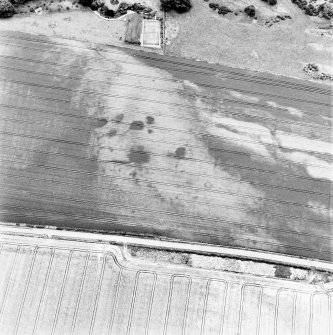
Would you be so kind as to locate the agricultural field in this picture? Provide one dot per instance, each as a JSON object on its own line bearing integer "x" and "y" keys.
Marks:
{"x": 50, "y": 286}
{"x": 280, "y": 39}
{"x": 184, "y": 188}
{"x": 69, "y": 19}
{"x": 114, "y": 140}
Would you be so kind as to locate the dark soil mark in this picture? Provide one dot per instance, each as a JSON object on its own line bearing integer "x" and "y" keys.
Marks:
{"x": 138, "y": 155}
{"x": 117, "y": 161}
{"x": 208, "y": 184}
{"x": 101, "y": 123}
{"x": 150, "y": 120}
{"x": 112, "y": 132}
{"x": 133, "y": 174}
{"x": 150, "y": 131}
{"x": 282, "y": 271}
{"x": 119, "y": 118}
{"x": 180, "y": 153}
{"x": 137, "y": 125}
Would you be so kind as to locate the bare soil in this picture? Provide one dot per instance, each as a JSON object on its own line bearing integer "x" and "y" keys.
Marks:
{"x": 134, "y": 29}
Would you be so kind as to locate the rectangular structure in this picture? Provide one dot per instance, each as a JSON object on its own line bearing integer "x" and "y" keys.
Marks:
{"x": 151, "y": 33}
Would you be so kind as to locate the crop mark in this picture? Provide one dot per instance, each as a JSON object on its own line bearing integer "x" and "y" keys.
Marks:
{"x": 137, "y": 125}
{"x": 119, "y": 118}
{"x": 99, "y": 123}
{"x": 112, "y": 132}
{"x": 138, "y": 155}
{"x": 150, "y": 120}
{"x": 180, "y": 153}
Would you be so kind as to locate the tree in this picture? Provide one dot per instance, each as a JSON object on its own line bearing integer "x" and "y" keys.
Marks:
{"x": 86, "y": 3}
{"x": 250, "y": 11}
{"x": 180, "y": 6}
{"x": 213, "y": 6}
{"x": 6, "y": 9}
{"x": 224, "y": 10}
{"x": 271, "y": 2}
{"x": 107, "y": 12}
{"x": 96, "y": 4}
{"x": 327, "y": 9}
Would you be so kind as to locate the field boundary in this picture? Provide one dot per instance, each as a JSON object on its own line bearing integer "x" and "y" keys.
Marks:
{"x": 167, "y": 245}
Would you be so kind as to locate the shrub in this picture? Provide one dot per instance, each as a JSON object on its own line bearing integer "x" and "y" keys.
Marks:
{"x": 300, "y": 3}
{"x": 313, "y": 67}
{"x": 109, "y": 13}
{"x": 272, "y": 2}
{"x": 6, "y": 9}
{"x": 137, "y": 7}
{"x": 250, "y": 11}
{"x": 213, "y": 6}
{"x": 180, "y": 6}
{"x": 311, "y": 10}
{"x": 93, "y": 6}
{"x": 105, "y": 11}
{"x": 224, "y": 10}
{"x": 18, "y": 2}
{"x": 327, "y": 11}
{"x": 96, "y": 4}
{"x": 122, "y": 8}
{"x": 86, "y": 3}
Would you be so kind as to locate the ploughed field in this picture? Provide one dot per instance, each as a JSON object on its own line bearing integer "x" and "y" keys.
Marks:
{"x": 101, "y": 138}
{"x": 64, "y": 287}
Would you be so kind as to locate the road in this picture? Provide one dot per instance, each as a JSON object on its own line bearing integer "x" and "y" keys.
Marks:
{"x": 106, "y": 139}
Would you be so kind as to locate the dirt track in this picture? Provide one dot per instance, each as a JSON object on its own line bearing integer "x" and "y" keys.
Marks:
{"x": 110, "y": 139}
